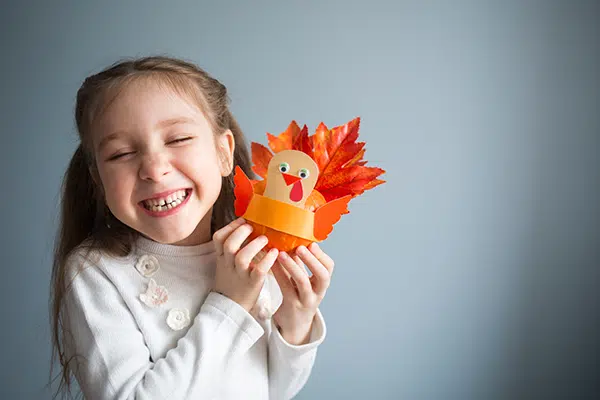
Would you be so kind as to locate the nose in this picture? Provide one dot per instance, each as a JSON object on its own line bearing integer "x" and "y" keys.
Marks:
{"x": 154, "y": 167}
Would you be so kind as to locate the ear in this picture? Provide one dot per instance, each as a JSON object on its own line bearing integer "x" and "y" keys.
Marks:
{"x": 226, "y": 144}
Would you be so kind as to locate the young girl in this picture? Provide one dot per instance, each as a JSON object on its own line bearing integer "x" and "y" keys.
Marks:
{"x": 157, "y": 294}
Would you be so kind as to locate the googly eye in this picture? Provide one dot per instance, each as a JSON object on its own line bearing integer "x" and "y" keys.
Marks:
{"x": 284, "y": 167}
{"x": 303, "y": 173}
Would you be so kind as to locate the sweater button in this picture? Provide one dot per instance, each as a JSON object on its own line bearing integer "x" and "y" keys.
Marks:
{"x": 147, "y": 265}
{"x": 178, "y": 318}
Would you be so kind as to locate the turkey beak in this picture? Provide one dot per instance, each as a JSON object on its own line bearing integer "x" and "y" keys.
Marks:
{"x": 290, "y": 179}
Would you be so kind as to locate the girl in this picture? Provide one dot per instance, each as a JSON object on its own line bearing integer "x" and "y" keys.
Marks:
{"x": 157, "y": 294}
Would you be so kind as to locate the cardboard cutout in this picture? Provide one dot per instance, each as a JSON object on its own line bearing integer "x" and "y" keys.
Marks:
{"x": 307, "y": 184}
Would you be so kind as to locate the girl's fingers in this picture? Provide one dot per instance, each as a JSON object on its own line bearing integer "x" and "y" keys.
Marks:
{"x": 222, "y": 234}
{"x": 322, "y": 256}
{"x": 244, "y": 257}
{"x": 263, "y": 266}
{"x": 311, "y": 278}
{"x": 321, "y": 276}
{"x": 282, "y": 269}
{"x": 236, "y": 239}
{"x": 283, "y": 279}
{"x": 297, "y": 274}
{"x": 301, "y": 263}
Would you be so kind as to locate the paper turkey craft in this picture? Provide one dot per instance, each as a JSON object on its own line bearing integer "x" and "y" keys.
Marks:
{"x": 306, "y": 184}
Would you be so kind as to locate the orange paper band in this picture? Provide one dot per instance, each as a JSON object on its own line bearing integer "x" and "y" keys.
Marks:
{"x": 281, "y": 217}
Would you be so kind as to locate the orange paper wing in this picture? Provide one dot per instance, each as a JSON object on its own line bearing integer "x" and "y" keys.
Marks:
{"x": 243, "y": 191}
{"x": 328, "y": 214}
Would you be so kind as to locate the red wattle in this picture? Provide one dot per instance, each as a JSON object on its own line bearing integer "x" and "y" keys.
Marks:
{"x": 296, "y": 192}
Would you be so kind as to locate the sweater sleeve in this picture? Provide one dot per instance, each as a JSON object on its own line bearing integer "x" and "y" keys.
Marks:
{"x": 111, "y": 360}
{"x": 290, "y": 365}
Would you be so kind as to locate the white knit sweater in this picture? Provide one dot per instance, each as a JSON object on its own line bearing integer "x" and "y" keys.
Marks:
{"x": 148, "y": 326}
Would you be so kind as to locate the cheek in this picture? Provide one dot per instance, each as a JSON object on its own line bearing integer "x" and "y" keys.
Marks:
{"x": 205, "y": 173}
{"x": 117, "y": 184}
{"x": 198, "y": 162}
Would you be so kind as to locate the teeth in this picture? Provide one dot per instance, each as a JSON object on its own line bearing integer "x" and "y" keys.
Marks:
{"x": 163, "y": 204}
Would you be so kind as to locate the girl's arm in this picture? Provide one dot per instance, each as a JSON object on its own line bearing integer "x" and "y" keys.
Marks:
{"x": 113, "y": 362}
{"x": 290, "y": 365}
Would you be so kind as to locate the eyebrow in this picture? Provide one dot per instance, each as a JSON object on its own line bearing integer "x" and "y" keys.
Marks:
{"x": 160, "y": 125}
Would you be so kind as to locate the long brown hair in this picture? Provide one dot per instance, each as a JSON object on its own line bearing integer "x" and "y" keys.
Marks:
{"x": 85, "y": 219}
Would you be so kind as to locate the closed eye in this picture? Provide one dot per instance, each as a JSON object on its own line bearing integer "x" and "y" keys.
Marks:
{"x": 118, "y": 156}
{"x": 180, "y": 140}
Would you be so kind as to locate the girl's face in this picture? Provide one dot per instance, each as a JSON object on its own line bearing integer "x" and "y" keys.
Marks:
{"x": 158, "y": 163}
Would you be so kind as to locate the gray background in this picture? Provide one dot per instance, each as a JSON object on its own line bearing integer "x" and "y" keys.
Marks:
{"x": 472, "y": 274}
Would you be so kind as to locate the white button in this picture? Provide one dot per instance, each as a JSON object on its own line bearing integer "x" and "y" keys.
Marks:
{"x": 178, "y": 318}
{"x": 155, "y": 294}
{"x": 147, "y": 265}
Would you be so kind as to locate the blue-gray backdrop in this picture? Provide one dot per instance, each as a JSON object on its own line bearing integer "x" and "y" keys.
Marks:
{"x": 471, "y": 274}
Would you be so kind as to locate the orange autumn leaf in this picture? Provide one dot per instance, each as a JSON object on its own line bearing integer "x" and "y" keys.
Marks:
{"x": 353, "y": 181}
{"x": 285, "y": 140}
{"x": 340, "y": 135}
{"x": 340, "y": 155}
{"x": 302, "y": 142}
{"x": 320, "y": 139}
{"x": 373, "y": 183}
{"x": 293, "y": 138}
{"x": 261, "y": 156}
{"x": 356, "y": 160}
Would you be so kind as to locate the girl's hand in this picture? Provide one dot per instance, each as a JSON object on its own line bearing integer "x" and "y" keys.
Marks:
{"x": 301, "y": 294}
{"x": 237, "y": 276}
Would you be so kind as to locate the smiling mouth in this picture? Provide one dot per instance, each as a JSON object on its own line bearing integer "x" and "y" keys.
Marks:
{"x": 166, "y": 203}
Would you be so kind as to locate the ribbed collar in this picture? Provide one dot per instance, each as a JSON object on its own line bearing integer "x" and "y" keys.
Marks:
{"x": 150, "y": 246}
